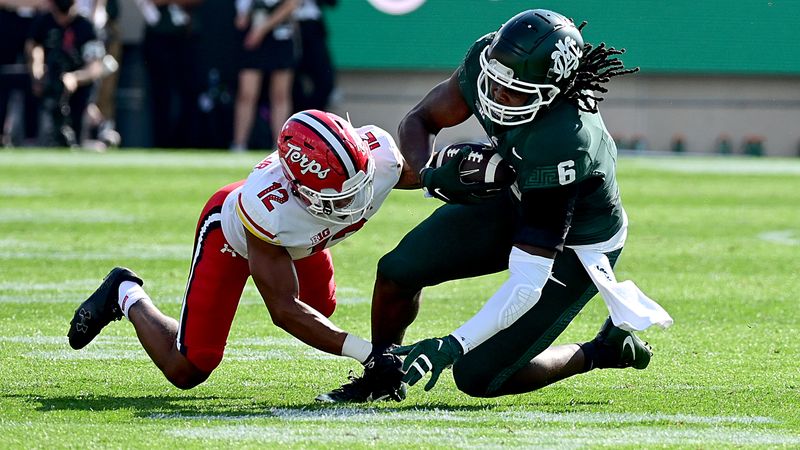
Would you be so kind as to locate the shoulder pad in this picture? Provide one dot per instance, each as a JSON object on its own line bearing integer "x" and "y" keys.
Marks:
{"x": 255, "y": 216}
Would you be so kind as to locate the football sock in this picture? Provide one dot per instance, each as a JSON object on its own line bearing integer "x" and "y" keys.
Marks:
{"x": 589, "y": 355}
{"x": 356, "y": 348}
{"x": 598, "y": 355}
{"x": 129, "y": 294}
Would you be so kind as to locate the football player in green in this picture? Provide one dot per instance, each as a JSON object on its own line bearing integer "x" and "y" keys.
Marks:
{"x": 558, "y": 230}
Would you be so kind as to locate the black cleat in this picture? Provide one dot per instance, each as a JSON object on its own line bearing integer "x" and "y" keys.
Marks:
{"x": 99, "y": 309}
{"x": 382, "y": 380}
{"x": 617, "y": 348}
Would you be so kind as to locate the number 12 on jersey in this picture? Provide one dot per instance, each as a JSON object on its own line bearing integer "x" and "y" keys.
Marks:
{"x": 273, "y": 193}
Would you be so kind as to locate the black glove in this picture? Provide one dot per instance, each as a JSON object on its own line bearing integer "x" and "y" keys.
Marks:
{"x": 383, "y": 361}
{"x": 445, "y": 182}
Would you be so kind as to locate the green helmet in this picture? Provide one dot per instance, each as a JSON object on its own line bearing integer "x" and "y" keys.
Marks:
{"x": 535, "y": 52}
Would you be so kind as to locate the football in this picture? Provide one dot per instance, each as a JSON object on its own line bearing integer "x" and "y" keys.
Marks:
{"x": 481, "y": 165}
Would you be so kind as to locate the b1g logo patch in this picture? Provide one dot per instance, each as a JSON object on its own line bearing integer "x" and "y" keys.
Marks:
{"x": 319, "y": 237}
{"x": 566, "y": 57}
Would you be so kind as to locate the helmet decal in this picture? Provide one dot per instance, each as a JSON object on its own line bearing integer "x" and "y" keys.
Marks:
{"x": 566, "y": 57}
{"x": 333, "y": 139}
{"x": 295, "y": 154}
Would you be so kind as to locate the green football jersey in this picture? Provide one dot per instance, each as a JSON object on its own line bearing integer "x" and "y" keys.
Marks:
{"x": 562, "y": 145}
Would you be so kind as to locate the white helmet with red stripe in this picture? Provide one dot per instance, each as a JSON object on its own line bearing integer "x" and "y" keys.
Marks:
{"x": 329, "y": 165}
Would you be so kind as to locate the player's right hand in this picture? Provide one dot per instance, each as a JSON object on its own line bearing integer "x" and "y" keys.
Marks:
{"x": 445, "y": 183}
{"x": 429, "y": 355}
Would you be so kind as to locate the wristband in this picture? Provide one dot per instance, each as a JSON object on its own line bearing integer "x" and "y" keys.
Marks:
{"x": 356, "y": 348}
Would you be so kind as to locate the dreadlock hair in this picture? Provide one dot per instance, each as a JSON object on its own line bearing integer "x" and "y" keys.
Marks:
{"x": 596, "y": 67}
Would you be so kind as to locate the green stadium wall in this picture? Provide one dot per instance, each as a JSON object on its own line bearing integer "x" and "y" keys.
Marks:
{"x": 741, "y": 37}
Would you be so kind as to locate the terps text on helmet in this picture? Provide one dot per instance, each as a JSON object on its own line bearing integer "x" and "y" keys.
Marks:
{"x": 295, "y": 155}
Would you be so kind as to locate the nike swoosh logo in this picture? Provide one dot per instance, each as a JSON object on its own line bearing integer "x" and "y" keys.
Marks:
{"x": 629, "y": 342}
{"x": 439, "y": 192}
{"x": 370, "y": 398}
{"x": 440, "y": 344}
{"x": 514, "y": 152}
{"x": 465, "y": 173}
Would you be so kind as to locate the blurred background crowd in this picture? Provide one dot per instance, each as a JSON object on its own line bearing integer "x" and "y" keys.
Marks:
{"x": 214, "y": 74}
{"x": 716, "y": 77}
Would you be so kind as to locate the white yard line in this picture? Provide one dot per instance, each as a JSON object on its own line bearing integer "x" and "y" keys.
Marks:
{"x": 122, "y": 347}
{"x": 514, "y": 435}
{"x": 29, "y": 249}
{"x": 60, "y": 340}
{"x": 12, "y": 215}
{"x": 368, "y": 415}
{"x": 744, "y": 166}
{"x": 132, "y": 158}
{"x": 267, "y": 341}
{"x": 782, "y": 237}
{"x": 68, "y": 285}
{"x": 76, "y": 296}
{"x": 21, "y": 191}
{"x": 74, "y": 291}
{"x": 350, "y": 296}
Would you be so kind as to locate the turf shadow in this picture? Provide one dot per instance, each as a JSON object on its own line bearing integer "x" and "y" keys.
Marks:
{"x": 147, "y": 406}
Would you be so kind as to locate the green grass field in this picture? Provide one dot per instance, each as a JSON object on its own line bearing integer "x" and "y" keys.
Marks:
{"x": 715, "y": 241}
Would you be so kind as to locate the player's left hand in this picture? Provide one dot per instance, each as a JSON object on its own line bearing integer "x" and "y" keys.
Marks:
{"x": 429, "y": 355}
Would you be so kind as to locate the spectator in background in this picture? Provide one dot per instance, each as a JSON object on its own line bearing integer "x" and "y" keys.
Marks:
{"x": 314, "y": 75}
{"x": 65, "y": 58}
{"x": 102, "y": 110}
{"x": 170, "y": 62}
{"x": 16, "y": 17}
{"x": 268, "y": 49}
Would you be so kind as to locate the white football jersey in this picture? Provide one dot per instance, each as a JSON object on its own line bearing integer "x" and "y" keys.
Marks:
{"x": 265, "y": 205}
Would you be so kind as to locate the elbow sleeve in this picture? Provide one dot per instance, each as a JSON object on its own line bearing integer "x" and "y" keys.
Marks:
{"x": 522, "y": 290}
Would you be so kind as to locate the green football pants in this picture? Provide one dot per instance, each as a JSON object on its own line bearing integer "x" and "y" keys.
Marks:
{"x": 463, "y": 241}
{"x": 483, "y": 370}
{"x": 456, "y": 241}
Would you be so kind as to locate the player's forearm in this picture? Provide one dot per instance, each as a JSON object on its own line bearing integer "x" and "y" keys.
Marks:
{"x": 409, "y": 179}
{"x": 414, "y": 140}
{"x": 442, "y": 107}
{"x": 522, "y": 290}
{"x": 309, "y": 326}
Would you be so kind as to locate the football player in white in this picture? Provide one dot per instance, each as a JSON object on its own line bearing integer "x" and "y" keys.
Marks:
{"x": 324, "y": 182}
